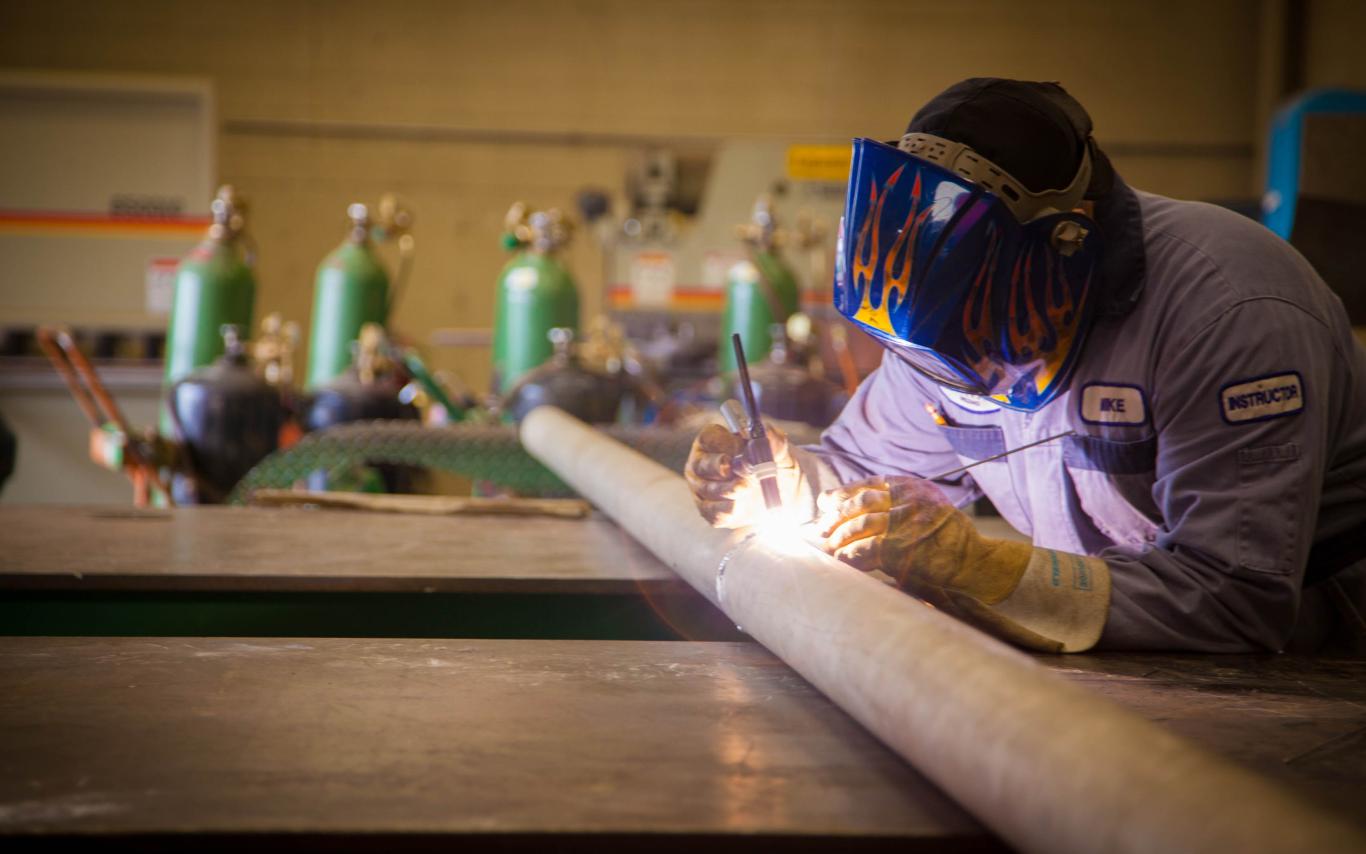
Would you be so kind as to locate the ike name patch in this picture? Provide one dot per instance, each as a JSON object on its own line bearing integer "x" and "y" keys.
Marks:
{"x": 1260, "y": 398}
{"x": 1113, "y": 404}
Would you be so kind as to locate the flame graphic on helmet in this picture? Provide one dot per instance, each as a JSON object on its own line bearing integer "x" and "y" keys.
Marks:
{"x": 1063, "y": 317}
{"x": 896, "y": 287}
{"x": 1027, "y": 331}
{"x": 866, "y": 262}
{"x": 1034, "y": 341}
{"x": 978, "y": 324}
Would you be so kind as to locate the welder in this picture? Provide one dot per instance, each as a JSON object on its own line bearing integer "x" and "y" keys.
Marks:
{"x": 1212, "y": 495}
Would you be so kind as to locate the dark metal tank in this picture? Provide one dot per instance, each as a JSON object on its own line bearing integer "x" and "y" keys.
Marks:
{"x": 347, "y": 398}
{"x": 367, "y": 390}
{"x": 228, "y": 420}
{"x": 564, "y": 381}
{"x": 788, "y": 391}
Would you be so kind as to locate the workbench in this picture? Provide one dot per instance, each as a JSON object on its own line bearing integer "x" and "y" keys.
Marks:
{"x": 602, "y": 737}
{"x": 270, "y": 571}
{"x": 248, "y": 571}
{"x": 575, "y": 744}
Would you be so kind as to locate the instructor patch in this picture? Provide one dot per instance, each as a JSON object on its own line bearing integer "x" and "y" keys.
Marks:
{"x": 1261, "y": 398}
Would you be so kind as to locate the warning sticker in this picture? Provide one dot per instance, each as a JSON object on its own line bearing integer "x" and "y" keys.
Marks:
{"x": 819, "y": 162}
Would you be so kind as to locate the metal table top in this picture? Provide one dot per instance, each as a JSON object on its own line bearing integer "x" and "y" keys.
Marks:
{"x": 511, "y": 738}
{"x": 628, "y": 742}
{"x": 278, "y": 549}
{"x": 45, "y": 547}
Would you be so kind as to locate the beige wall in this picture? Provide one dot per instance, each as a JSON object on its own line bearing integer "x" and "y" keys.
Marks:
{"x": 1171, "y": 86}
{"x": 1334, "y": 52}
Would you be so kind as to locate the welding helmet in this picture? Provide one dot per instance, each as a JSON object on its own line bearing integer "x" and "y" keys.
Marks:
{"x": 956, "y": 267}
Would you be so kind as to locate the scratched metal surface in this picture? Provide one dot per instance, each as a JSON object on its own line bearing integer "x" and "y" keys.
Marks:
{"x": 289, "y": 549}
{"x": 1300, "y": 720}
{"x": 534, "y": 737}
{"x": 45, "y": 547}
{"x": 462, "y": 736}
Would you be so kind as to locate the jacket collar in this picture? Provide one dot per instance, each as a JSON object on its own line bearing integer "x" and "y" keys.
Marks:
{"x": 1123, "y": 263}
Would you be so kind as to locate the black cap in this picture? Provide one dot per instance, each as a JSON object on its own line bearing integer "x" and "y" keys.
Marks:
{"x": 1035, "y": 131}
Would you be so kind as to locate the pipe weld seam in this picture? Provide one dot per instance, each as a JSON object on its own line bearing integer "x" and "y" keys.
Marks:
{"x": 721, "y": 567}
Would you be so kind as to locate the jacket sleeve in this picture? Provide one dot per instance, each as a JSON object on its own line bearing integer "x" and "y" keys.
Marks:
{"x": 1242, "y": 414}
{"x": 885, "y": 430}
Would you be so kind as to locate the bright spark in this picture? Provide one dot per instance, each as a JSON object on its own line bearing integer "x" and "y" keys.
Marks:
{"x": 785, "y": 528}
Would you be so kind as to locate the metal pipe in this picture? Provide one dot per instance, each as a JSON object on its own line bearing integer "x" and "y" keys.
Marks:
{"x": 1043, "y": 762}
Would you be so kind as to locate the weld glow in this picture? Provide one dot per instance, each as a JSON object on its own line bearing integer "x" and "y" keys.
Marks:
{"x": 784, "y": 529}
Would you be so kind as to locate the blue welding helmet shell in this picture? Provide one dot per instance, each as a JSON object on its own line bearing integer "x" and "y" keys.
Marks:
{"x": 942, "y": 272}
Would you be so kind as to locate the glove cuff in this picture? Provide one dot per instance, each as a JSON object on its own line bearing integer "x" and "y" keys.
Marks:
{"x": 1062, "y": 597}
{"x": 1058, "y": 602}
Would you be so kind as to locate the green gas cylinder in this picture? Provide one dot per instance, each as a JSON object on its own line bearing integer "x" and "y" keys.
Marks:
{"x": 214, "y": 287}
{"x": 536, "y": 294}
{"x": 759, "y": 292}
{"x": 352, "y": 288}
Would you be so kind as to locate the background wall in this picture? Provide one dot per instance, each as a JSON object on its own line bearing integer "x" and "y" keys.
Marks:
{"x": 464, "y": 107}
{"x": 1334, "y": 55}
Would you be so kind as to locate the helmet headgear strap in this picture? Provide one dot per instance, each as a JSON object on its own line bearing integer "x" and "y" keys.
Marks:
{"x": 1024, "y": 204}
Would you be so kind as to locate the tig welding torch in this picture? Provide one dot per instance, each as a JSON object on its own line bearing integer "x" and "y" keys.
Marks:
{"x": 757, "y": 456}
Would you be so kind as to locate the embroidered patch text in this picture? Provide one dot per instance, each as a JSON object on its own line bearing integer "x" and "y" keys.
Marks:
{"x": 1260, "y": 398}
{"x": 1113, "y": 404}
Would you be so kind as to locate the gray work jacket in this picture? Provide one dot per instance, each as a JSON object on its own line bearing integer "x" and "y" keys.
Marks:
{"x": 1221, "y": 433}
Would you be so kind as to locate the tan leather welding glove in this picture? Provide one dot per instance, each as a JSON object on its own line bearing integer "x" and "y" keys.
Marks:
{"x": 905, "y": 527}
{"x": 727, "y": 495}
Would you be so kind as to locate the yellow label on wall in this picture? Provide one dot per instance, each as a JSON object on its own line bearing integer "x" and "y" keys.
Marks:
{"x": 819, "y": 162}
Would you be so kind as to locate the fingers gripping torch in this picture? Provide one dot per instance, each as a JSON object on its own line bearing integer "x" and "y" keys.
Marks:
{"x": 746, "y": 423}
